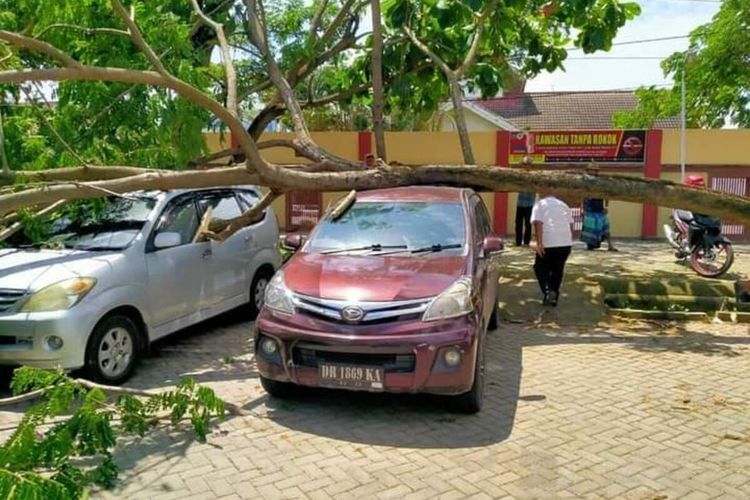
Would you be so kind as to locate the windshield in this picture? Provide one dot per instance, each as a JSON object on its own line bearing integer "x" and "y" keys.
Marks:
{"x": 371, "y": 227}
{"x": 101, "y": 224}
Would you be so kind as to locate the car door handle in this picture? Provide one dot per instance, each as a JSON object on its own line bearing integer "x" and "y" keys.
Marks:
{"x": 206, "y": 253}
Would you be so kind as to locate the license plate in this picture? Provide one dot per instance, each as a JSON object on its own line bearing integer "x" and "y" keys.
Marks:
{"x": 353, "y": 376}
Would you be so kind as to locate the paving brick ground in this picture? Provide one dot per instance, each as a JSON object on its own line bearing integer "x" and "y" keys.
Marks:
{"x": 641, "y": 411}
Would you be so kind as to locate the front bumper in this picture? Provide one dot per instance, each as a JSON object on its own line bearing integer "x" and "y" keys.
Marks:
{"x": 411, "y": 351}
{"x": 22, "y": 338}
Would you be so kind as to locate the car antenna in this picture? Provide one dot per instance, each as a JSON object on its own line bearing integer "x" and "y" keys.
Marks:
{"x": 346, "y": 202}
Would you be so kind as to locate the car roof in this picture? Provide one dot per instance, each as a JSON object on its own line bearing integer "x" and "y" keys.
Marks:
{"x": 176, "y": 192}
{"x": 414, "y": 193}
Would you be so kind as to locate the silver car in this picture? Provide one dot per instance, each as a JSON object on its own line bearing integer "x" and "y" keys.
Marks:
{"x": 125, "y": 272}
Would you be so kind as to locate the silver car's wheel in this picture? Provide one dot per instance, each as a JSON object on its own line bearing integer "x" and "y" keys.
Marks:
{"x": 112, "y": 350}
{"x": 115, "y": 352}
{"x": 259, "y": 292}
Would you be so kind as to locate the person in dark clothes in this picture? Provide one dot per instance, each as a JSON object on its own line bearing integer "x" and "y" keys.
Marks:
{"x": 552, "y": 221}
{"x": 595, "y": 228}
{"x": 523, "y": 218}
{"x": 596, "y": 224}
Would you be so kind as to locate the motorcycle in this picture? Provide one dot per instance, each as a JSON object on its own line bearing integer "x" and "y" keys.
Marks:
{"x": 698, "y": 237}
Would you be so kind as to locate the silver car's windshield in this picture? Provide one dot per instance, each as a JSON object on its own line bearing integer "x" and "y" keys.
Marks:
{"x": 104, "y": 224}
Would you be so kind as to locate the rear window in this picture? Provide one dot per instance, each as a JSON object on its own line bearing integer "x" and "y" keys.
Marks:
{"x": 413, "y": 224}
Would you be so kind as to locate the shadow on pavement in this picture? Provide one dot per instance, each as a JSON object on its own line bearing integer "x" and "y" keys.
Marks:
{"x": 410, "y": 420}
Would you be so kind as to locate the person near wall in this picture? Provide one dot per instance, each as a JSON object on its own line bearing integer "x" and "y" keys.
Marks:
{"x": 595, "y": 228}
{"x": 596, "y": 224}
{"x": 552, "y": 220}
{"x": 523, "y": 218}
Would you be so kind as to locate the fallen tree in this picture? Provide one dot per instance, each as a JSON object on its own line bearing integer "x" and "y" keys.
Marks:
{"x": 324, "y": 171}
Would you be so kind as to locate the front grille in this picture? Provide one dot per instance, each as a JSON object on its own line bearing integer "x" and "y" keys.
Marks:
{"x": 23, "y": 342}
{"x": 9, "y": 297}
{"x": 391, "y": 363}
{"x": 373, "y": 312}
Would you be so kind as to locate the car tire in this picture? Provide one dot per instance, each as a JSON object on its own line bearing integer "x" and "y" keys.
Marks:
{"x": 492, "y": 323}
{"x": 471, "y": 402}
{"x": 257, "y": 290}
{"x": 112, "y": 350}
{"x": 277, "y": 389}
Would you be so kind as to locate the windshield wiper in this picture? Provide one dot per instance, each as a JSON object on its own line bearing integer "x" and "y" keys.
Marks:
{"x": 374, "y": 248}
{"x": 437, "y": 247}
{"x": 432, "y": 248}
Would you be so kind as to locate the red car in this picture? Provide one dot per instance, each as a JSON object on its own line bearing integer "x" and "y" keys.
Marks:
{"x": 394, "y": 293}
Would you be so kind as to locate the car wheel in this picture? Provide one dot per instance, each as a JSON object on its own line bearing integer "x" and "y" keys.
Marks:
{"x": 493, "y": 322}
{"x": 258, "y": 290}
{"x": 112, "y": 350}
{"x": 277, "y": 389}
{"x": 471, "y": 402}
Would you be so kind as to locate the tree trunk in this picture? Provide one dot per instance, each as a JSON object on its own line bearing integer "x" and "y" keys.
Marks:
{"x": 488, "y": 178}
{"x": 458, "y": 111}
{"x": 377, "y": 80}
{"x": 3, "y": 158}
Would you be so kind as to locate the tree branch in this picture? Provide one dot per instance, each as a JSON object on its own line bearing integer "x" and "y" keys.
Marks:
{"x": 94, "y": 73}
{"x": 226, "y": 57}
{"x": 152, "y": 180}
{"x": 427, "y": 51}
{"x": 88, "y": 31}
{"x": 223, "y": 230}
{"x": 14, "y": 228}
{"x": 344, "y": 12}
{"x": 315, "y": 24}
{"x": 137, "y": 37}
{"x": 39, "y": 46}
{"x": 474, "y": 48}
{"x": 91, "y": 173}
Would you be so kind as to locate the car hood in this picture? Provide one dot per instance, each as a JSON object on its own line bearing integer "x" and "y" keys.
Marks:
{"x": 371, "y": 278}
{"x": 34, "y": 269}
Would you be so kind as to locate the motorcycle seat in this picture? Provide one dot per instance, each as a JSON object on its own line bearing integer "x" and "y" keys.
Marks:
{"x": 684, "y": 215}
{"x": 705, "y": 221}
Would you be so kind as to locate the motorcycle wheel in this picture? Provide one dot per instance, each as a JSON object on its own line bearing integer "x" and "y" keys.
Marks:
{"x": 713, "y": 263}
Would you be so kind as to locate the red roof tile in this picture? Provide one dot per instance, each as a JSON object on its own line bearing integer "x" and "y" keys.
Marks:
{"x": 565, "y": 110}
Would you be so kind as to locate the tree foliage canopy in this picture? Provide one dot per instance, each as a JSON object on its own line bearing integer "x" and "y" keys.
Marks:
{"x": 717, "y": 75}
{"x": 136, "y": 83}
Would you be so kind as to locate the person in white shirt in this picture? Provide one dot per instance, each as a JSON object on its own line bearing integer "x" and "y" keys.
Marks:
{"x": 552, "y": 221}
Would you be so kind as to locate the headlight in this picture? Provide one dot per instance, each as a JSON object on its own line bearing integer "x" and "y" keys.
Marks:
{"x": 59, "y": 296}
{"x": 278, "y": 297}
{"x": 453, "y": 302}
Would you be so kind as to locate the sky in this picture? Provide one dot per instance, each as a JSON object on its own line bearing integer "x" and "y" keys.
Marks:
{"x": 658, "y": 19}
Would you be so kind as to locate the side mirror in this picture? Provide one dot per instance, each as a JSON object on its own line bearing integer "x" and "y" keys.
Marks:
{"x": 492, "y": 246}
{"x": 294, "y": 241}
{"x": 167, "y": 240}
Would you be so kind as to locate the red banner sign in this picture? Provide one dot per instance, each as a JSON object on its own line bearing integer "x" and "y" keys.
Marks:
{"x": 578, "y": 146}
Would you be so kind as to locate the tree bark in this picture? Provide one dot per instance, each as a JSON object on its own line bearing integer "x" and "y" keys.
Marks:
{"x": 490, "y": 178}
{"x": 3, "y": 158}
{"x": 81, "y": 174}
{"x": 457, "y": 98}
{"x": 378, "y": 99}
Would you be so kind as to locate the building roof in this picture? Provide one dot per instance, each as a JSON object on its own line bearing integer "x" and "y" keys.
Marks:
{"x": 564, "y": 110}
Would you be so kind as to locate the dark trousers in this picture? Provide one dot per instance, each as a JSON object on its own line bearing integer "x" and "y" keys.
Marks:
{"x": 523, "y": 225}
{"x": 549, "y": 269}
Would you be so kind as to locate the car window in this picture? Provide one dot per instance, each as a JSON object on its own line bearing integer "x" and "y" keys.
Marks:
{"x": 482, "y": 218}
{"x": 181, "y": 218}
{"x": 225, "y": 207}
{"x": 248, "y": 199}
{"x": 411, "y": 224}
